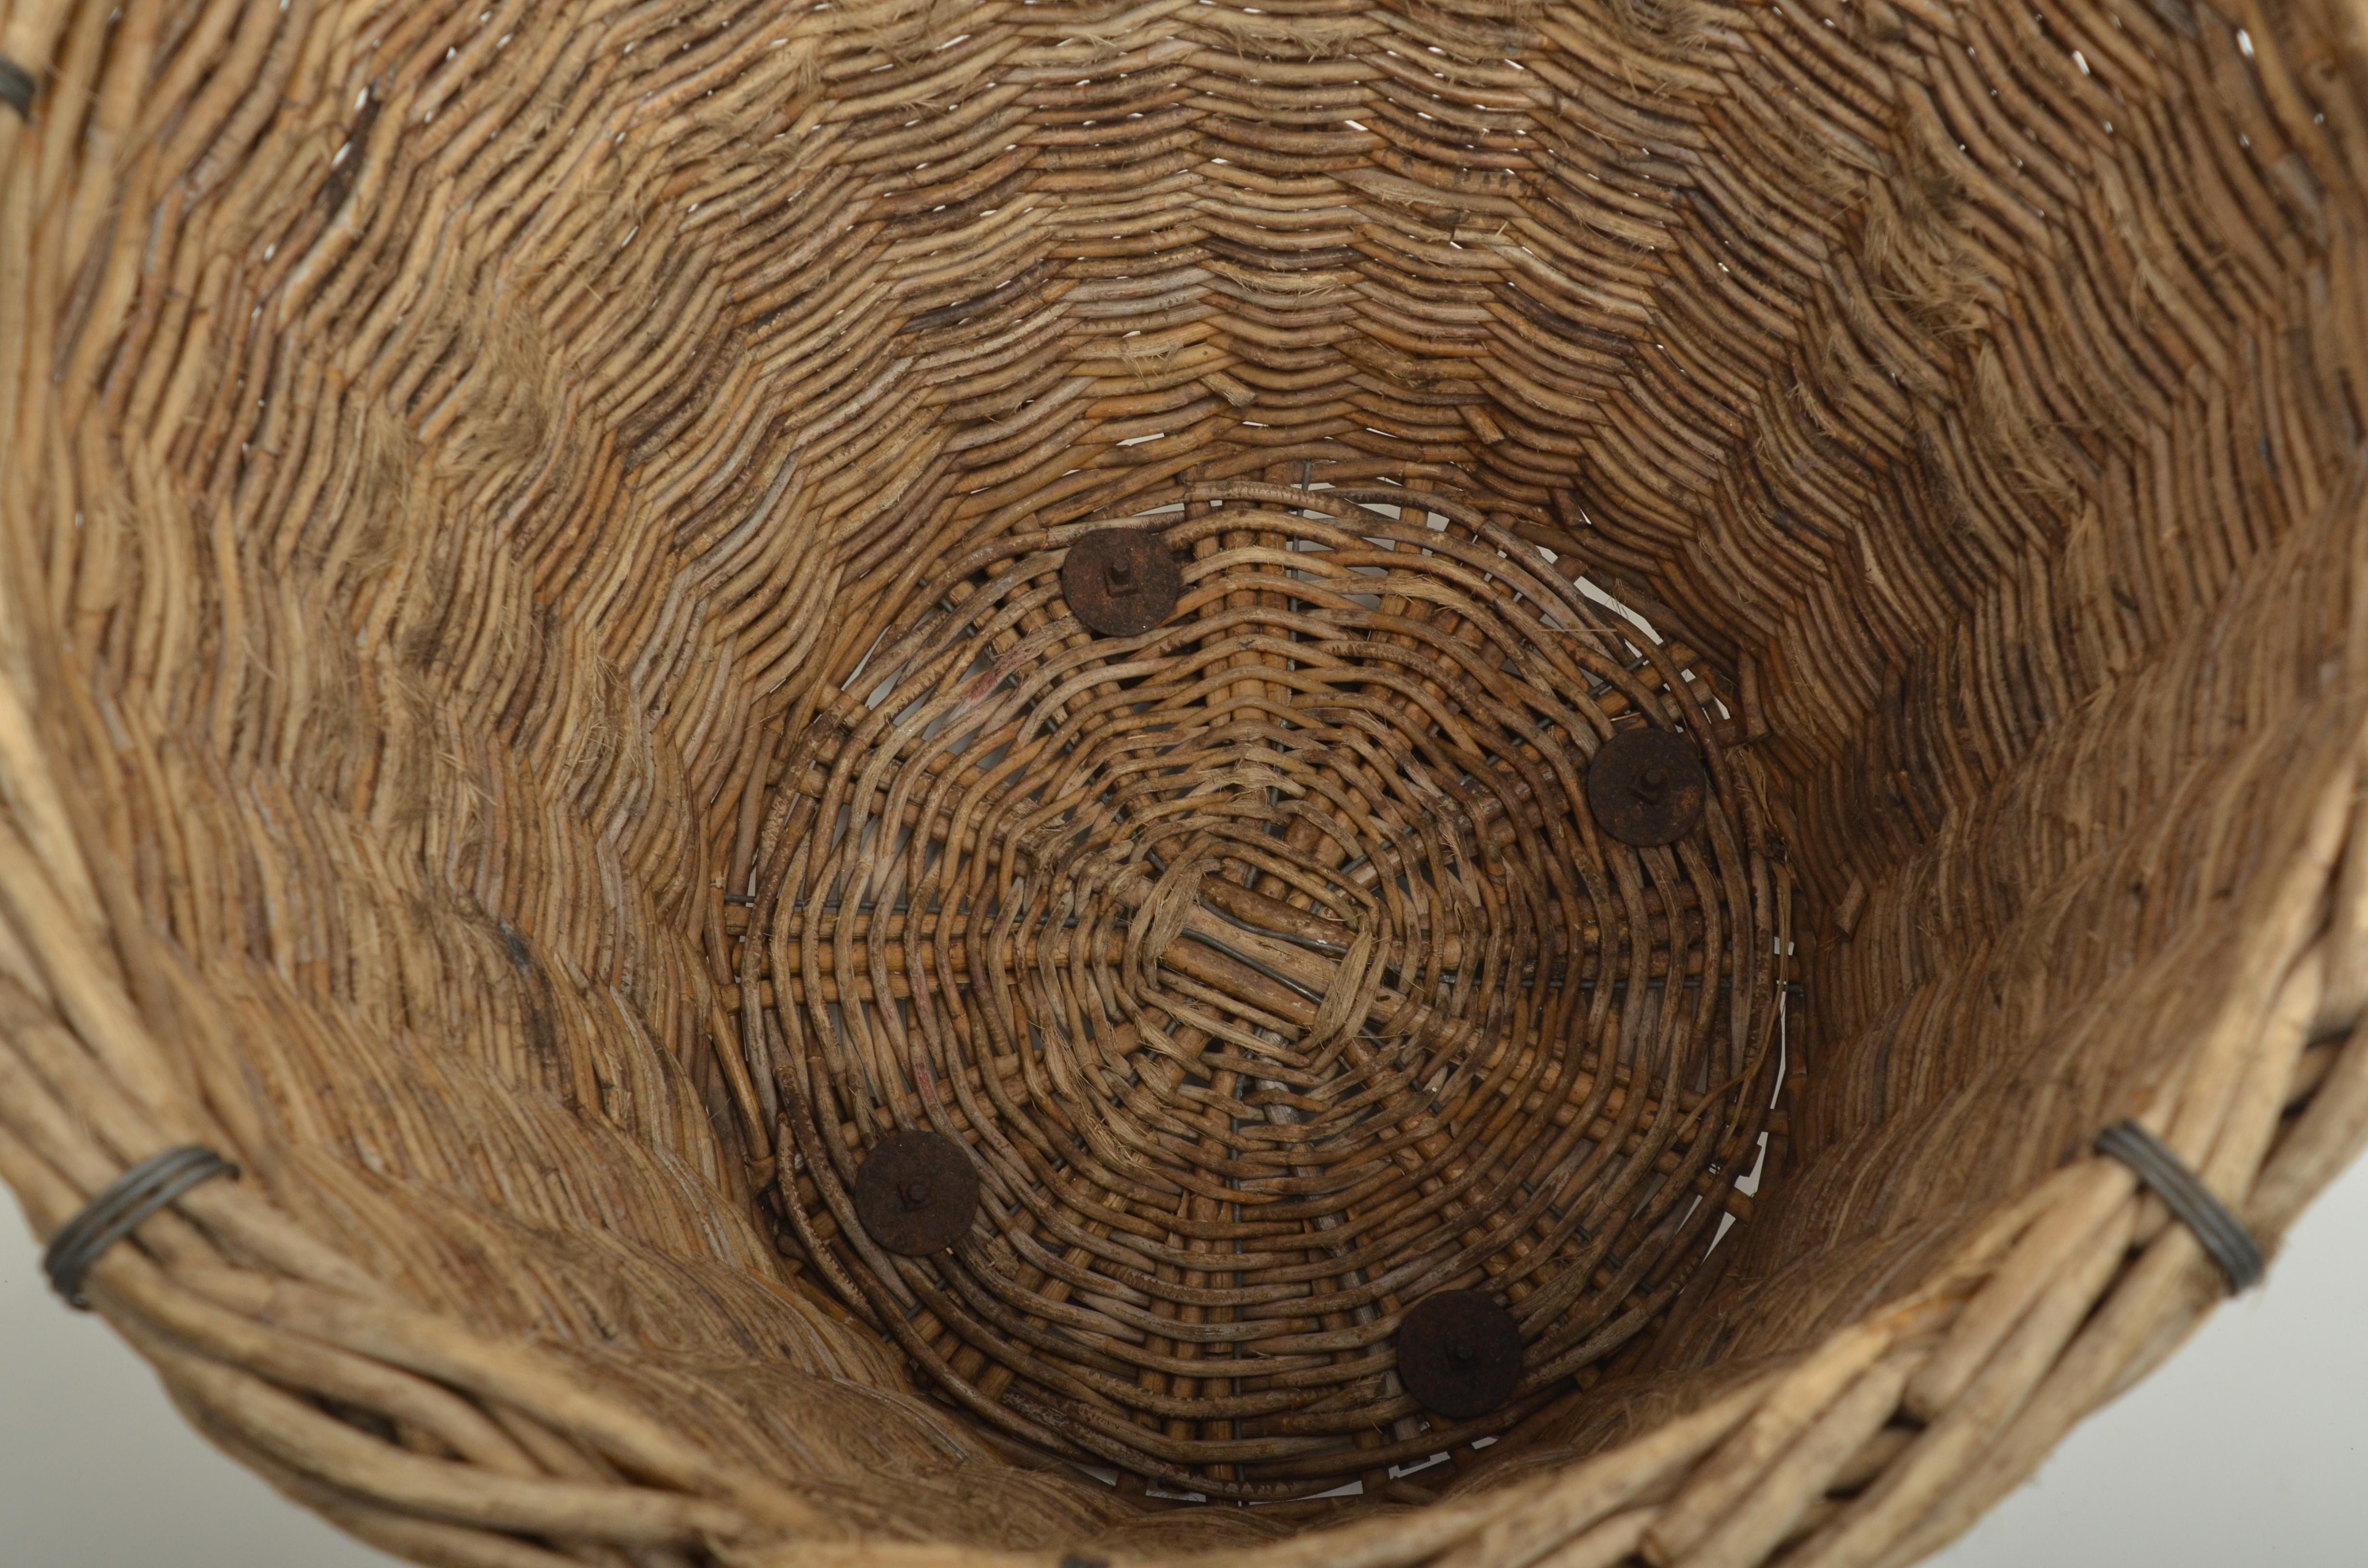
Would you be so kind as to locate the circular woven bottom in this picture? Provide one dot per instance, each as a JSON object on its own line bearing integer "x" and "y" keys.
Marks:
{"x": 1272, "y": 970}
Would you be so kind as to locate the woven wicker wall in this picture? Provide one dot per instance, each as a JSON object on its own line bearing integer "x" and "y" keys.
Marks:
{"x": 450, "y": 447}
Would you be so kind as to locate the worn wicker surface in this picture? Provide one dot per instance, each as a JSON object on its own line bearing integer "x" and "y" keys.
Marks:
{"x": 1273, "y": 969}
{"x": 454, "y": 459}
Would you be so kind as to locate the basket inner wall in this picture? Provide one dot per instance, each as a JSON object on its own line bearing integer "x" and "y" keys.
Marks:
{"x": 455, "y": 601}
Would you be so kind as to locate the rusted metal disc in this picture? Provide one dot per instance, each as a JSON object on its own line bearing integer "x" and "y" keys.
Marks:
{"x": 1459, "y": 1354}
{"x": 1646, "y": 787}
{"x": 1121, "y": 582}
{"x": 916, "y": 1193}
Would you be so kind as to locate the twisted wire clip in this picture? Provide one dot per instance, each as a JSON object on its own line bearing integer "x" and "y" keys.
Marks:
{"x": 121, "y": 1209}
{"x": 2223, "y": 1235}
{"x": 16, "y": 87}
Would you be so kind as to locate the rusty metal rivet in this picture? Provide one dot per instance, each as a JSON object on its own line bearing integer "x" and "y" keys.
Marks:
{"x": 916, "y": 1193}
{"x": 1647, "y": 787}
{"x": 1459, "y": 1354}
{"x": 1121, "y": 582}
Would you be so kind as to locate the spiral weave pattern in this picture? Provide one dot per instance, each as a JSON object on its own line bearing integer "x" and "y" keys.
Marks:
{"x": 1275, "y": 973}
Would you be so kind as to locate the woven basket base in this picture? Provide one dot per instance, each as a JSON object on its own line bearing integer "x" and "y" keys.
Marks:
{"x": 1275, "y": 972}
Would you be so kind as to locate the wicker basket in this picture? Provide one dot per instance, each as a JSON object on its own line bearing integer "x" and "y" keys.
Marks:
{"x": 554, "y": 711}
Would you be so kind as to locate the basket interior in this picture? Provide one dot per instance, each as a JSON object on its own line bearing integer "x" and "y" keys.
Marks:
{"x": 626, "y": 398}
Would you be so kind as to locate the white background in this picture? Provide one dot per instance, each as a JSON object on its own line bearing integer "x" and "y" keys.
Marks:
{"x": 2249, "y": 1446}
